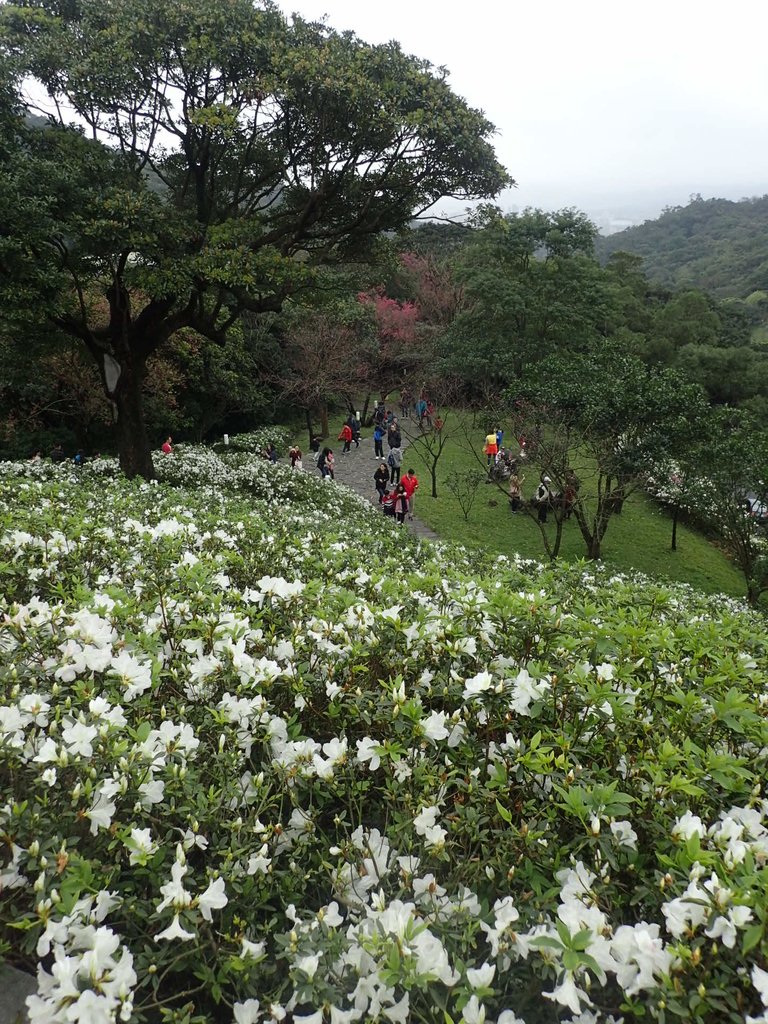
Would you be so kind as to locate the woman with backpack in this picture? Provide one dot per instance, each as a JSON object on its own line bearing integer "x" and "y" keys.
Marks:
{"x": 395, "y": 461}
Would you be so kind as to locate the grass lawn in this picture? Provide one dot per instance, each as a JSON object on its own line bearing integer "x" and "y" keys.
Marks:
{"x": 639, "y": 538}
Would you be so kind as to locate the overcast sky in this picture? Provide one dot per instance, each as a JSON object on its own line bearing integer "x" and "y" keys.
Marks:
{"x": 607, "y": 105}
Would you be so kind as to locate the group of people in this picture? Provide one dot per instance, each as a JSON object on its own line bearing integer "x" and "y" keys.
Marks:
{"x": 503, "y": 465}
{"x": 57, "y": 454}
{"x": 399, "y": 502}
{"x": 546, "y": 497}
{"x": 422, "y": 407}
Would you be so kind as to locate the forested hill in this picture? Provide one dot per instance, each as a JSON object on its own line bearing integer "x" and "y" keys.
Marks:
{"x": 715, "y": 244}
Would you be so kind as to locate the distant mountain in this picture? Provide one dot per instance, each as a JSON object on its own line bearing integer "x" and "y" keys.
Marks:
{"x": 715, "y": 244}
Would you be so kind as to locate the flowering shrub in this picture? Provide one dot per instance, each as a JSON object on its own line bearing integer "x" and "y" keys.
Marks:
{"x": 265, "y": 757}
{"x": 257, "y": 440}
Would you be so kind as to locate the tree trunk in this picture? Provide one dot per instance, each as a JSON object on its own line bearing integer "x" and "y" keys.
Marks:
{"x": 675, "y": 514}
{"x": 558, "y": 535}
{"x": 308, "y": 414}
{"x": 364, "y": 418}
{"x": 594, "y": 553}
{"x": 324, "y": 419}
{"x": 132, "y": 439}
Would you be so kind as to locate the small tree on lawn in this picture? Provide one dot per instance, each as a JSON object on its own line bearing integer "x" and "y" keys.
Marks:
{"x": 609, "y": 419}
{"x": 430, "y": 442}
{"x": 464, "y": 487}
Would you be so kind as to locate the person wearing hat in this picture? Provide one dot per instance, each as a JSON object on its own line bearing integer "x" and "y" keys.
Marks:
{"x": 543, "y": 497}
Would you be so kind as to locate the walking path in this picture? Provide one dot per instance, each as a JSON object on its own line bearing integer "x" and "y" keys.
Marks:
{"x": 356, "y": 470}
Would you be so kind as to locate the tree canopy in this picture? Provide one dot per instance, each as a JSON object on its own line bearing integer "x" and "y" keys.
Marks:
{"x": 207, "y": 159}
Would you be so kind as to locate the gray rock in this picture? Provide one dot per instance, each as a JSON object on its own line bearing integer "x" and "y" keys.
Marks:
{"x": 15, "y": 986}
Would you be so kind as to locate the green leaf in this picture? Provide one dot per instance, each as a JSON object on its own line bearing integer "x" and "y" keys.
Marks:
{"x": 505, "y": 814}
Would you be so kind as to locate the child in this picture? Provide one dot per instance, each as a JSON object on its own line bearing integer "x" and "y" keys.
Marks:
{"x": 388, "y": 504}
{"x": 346, "y": 437}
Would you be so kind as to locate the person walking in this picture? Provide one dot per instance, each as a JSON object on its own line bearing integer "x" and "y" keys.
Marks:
{"x": 405, "y": 403}
{"x": 394, "y": 438}
{"x": 294, "y": 454}
{"x": 378, "y": 441}
{"x": 401, "y": 504}
{"x": 394, "y": 461}
{"x": 381, "y": 479}
{"x": 411, "y": 484}
{"x": 355, "y": 425}
{"x": 346, "y": 437}
{"x": 421, "y": 410}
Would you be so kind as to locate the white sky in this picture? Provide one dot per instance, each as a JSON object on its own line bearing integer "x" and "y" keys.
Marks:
{"x": 607, "y": 105}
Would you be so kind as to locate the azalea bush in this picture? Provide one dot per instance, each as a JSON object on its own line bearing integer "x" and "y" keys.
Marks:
{"x": 267, "y": 757}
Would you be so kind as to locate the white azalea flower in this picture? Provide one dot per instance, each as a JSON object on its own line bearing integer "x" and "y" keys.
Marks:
{"x": 481, "y": 977}
{"x": 141, "y": 845}
{"x": 474, "y": 1011}
{"x": 477, "y": 684}
{"x": 567, "y": 993}
{"x": 247, "y": 1012}
{"x": 434, "y": 727}
{"x": 214, "y": 898}
{"x": 79, "y": 738}
{"x": 369, "y": 750}
{"x": 624, "y": 834}
{"x": 175, "y": 931}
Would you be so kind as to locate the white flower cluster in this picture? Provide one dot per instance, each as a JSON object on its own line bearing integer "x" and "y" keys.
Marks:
{"x": 455, "y": 781}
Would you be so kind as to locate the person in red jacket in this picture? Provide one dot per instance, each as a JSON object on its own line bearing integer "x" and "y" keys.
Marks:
{"x": 346, "y": 437}
{"x": 411, "y": 483}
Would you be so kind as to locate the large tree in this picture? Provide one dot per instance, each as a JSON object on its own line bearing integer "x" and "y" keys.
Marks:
{"x": 531, "y": 287}
{"x": 216, "y": 155}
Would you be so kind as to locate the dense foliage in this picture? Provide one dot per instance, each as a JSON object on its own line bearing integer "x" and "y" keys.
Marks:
{"x": 268, "y": 758}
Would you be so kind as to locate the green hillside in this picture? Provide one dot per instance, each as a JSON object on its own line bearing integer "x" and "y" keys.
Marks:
{"x": 714, "y": 244}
